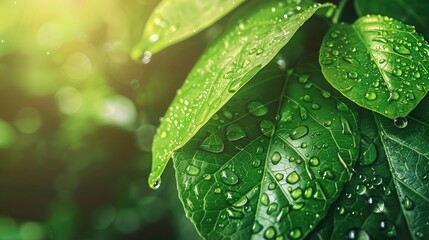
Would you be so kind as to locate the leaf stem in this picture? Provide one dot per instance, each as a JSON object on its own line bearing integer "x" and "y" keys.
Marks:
{"x": 339, "y": 11}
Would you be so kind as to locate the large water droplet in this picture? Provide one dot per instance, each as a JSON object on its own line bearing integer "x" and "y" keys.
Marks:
{"x": 257, "y": 109}
{"x": 147, "y": 56}
{"x": 267, "y": 128}
{"x": 272, "y": 208}
{"x": 276, "y": 157}
{"x": 234, "y": 214}
{"x": 298, "y": 132}
{"x": 293, "y": 178}
{"x": 328, "y": 174}
{"x": 241, "y": 202}
{"x": 296, "y": 233}
{"x": 257, "y": 227}
{"x": 270, "y": 233}
{"x": 265, "y": 200}
{"x": 192, "y": 170}
{"x": 234, "y": 132}
{"x": 155, "y": 184}
{"x": 314, "y": 161}
{"x": 401, "y": 49}
{"x": 295, "y": 194}
{"x": 213, "y": 144}
{"x": 234, "y": 86}
{"x": 357, "y": 234}
{"x": 400, "y": 122}
{"x": 376, "y": 205}
{"x": 408, "y": 203}
{"x": 370, "y": 96}
{"x": 228, "y": 177}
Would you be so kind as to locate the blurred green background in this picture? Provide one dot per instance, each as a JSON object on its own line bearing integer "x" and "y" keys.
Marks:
{"x": 77, "y": 117}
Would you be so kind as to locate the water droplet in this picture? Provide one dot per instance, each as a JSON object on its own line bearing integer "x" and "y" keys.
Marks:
{"x": 234, "y": 86}
{"x": 400, "y": 122}
{"x": 257, "y": 109}
{"x": 270, "y": 233}
{"x": 227, "y": 114}
{"x": 368, "y": 151}
{"x": 357, "y": 234}
{"x": 298, "y": 132}
{"x": 257, "y": 227}
{"x": 228, "y": 177}
{"x": 388, "y": 229}
{"x": 267, "y": 128}
{"x": 276, "y": 157}
{"x": 308, "y": 193}
{"x": 271, "y": 186}
{"x": 327, "y": 62}
{"x": 265, "y": 200}
{"x": 408, "y": 203}
{"x": 376, "y": 205}
{"x": 155, "y": 184}
{"x": 342, "y": 107}
{"x": 272, "y": 208}
{"x": 341, "y": 210}
{"x": 234, "y": 132}
{"x": 306, "y": 98}
{"x": 326, "y": 94}
{"x": 213, "y": 144}
{"x": 256, "y": 162}
{"x": 397, "y": 72}
{"x": 314, "y": 161}
{"x": 295, "y": 194}
{"x": 241, "y": 202}
{"x": 360, "y": 189}
{"x": 315, "y": 106}
{"x": 293, "y": 178}
{"x": 370, "y": 96}
{"x": 163, "y": 135}
{"x": 401, "y": 49}
{"x": 296, "y": 233}
{"x": 298, "y": 206}
{"x": 352, "y": 75}
{"x": 218, "y": 190}
{"x": 328, "y": 174}
{"x": 345, "y": 125}
{"x": 192, "y": 170}
{"x": 304, "y": 78}
{"x": 279, "y": 176}
{"x": 147, "y": 56}
{"x": 234, "y": 214}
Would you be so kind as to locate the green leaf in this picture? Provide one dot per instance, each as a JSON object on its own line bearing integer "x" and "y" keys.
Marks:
{"x": 379, "y": 63}
{"x": 253, "y": 38}
{"x": 175, "y": 20}
{"x": 408, "y": 155}
{"x": 410, "y": 11}
{"x": 368, "y": 207}
{"x": 271, "y": 161}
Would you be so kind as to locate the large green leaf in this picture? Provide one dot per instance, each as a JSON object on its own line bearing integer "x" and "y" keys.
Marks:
{"x": 407, "y": 150}
{"x": 368, "y": 207}
{"x": 379, "y": 63}
{"x": 271, "y": 161}
{"x": 409, "y": 11}
{"x": 175, "y": 20}
{"x": 252, "y": 39}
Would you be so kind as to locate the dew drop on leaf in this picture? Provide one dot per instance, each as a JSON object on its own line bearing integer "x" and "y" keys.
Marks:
{"x": 276, "y": 157}
{"x": 400, "y": 122}
{"x": 267, "y": 128}
{"x": 257, "y": 109}
{"x": 257, "y": 227}
{"x": 293, "y": 178}
{"x": 234, "y": 133}
{"x": 213, "y": 144}
{"x": 408, "y": 203}
{"x": 314, "y": 161}
{"x": 270, "y": 233}
{"x": 192, "y": 170}
{"x": 298, "y": 132}
{"x": 228, "y": 177}
{"x": 357, "y": 234}
{"x": 296, "y": 233}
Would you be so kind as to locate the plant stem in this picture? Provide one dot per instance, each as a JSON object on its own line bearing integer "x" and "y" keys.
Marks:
{"x": 339, "y": 11}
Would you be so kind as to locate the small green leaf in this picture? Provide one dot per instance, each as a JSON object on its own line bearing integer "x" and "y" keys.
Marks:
{"x": 411, "y": 11}
{"x": 368, "y": 206}
{"x": 379, "y": 63}
{"x": 295, "y": 152}
{"x": 408, "y": 154}
{"x": 253, "y": 38}
{"x": 175, "y": 20}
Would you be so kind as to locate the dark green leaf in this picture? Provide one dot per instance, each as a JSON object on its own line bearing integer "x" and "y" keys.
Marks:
{"x": 407, "y": 150}
{"x": 368, "y": 206}
{"x": 175, "y": 20}
{"x": 253, "y": 38}
{"x": 413, "y": 12}
{"x": 379, "y": 63}
{"x": 271, "y": 161}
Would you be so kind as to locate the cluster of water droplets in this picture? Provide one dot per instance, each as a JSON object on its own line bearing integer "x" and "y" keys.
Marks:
{"x": 378, "y": 59}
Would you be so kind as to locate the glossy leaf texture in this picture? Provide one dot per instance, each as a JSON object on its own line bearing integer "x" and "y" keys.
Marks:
{"x": 175, "y": 20}
{"x": 368, "y": 207}
{"x": 379, "y": 63}
{"x": 406, "y": 145}
{"x": 269, "y": 164}
{"x": 252, "y": 39}
{"x": 412, "y": 12}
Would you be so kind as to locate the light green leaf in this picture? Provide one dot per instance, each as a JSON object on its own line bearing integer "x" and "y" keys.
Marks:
{"x": 408, "y": 154}
{"x": 271, "y": 161}
{"x": 252, "y": 39}
{"x": 175, "y": 20}
{"x": 408, "y": 11}
{"x": 379, "y": 63}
